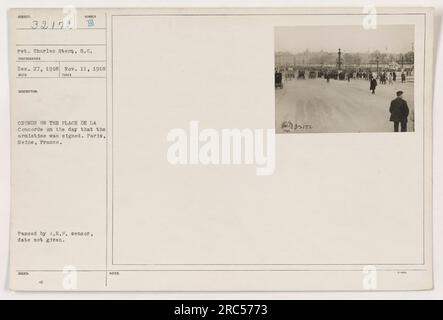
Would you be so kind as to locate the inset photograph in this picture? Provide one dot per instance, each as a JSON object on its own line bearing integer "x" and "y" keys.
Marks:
{"x": 344, "y": 79}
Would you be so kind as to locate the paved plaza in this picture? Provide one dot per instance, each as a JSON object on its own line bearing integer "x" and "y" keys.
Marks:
{"x": 313, "y": 105}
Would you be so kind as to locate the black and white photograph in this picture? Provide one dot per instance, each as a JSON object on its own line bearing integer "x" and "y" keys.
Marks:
{"x": 332, "y": 79}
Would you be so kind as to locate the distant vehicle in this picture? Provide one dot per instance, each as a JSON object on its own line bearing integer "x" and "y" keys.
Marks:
{"x": 334, "y": 74}
{"x": 278, "y": 80}
{"x": 301, "y": 74}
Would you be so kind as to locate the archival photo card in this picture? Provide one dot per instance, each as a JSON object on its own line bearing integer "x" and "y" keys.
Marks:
{"x": 157, "y": 149}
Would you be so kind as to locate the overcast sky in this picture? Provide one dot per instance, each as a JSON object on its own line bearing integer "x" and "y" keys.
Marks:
{"x": 392, "y": 39}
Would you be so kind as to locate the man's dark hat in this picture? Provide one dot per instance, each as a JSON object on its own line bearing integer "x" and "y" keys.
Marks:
{"x": 399, "y": 93}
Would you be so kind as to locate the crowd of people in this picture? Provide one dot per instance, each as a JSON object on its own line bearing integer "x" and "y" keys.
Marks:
{"x": 382, "y": 77}
{"x": 385, "y": 77}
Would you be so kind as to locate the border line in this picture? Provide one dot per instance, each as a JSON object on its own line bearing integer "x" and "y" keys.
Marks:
{"x": 262, "y": 14}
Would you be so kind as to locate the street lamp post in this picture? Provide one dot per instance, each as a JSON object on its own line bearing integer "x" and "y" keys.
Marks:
{"x": 339, "y": 59}
{"x": 377, "y": 59}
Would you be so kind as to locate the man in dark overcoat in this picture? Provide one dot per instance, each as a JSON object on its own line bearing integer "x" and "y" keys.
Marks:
{"x": 373, "y": 85}
{"x": 399, "y": 112}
